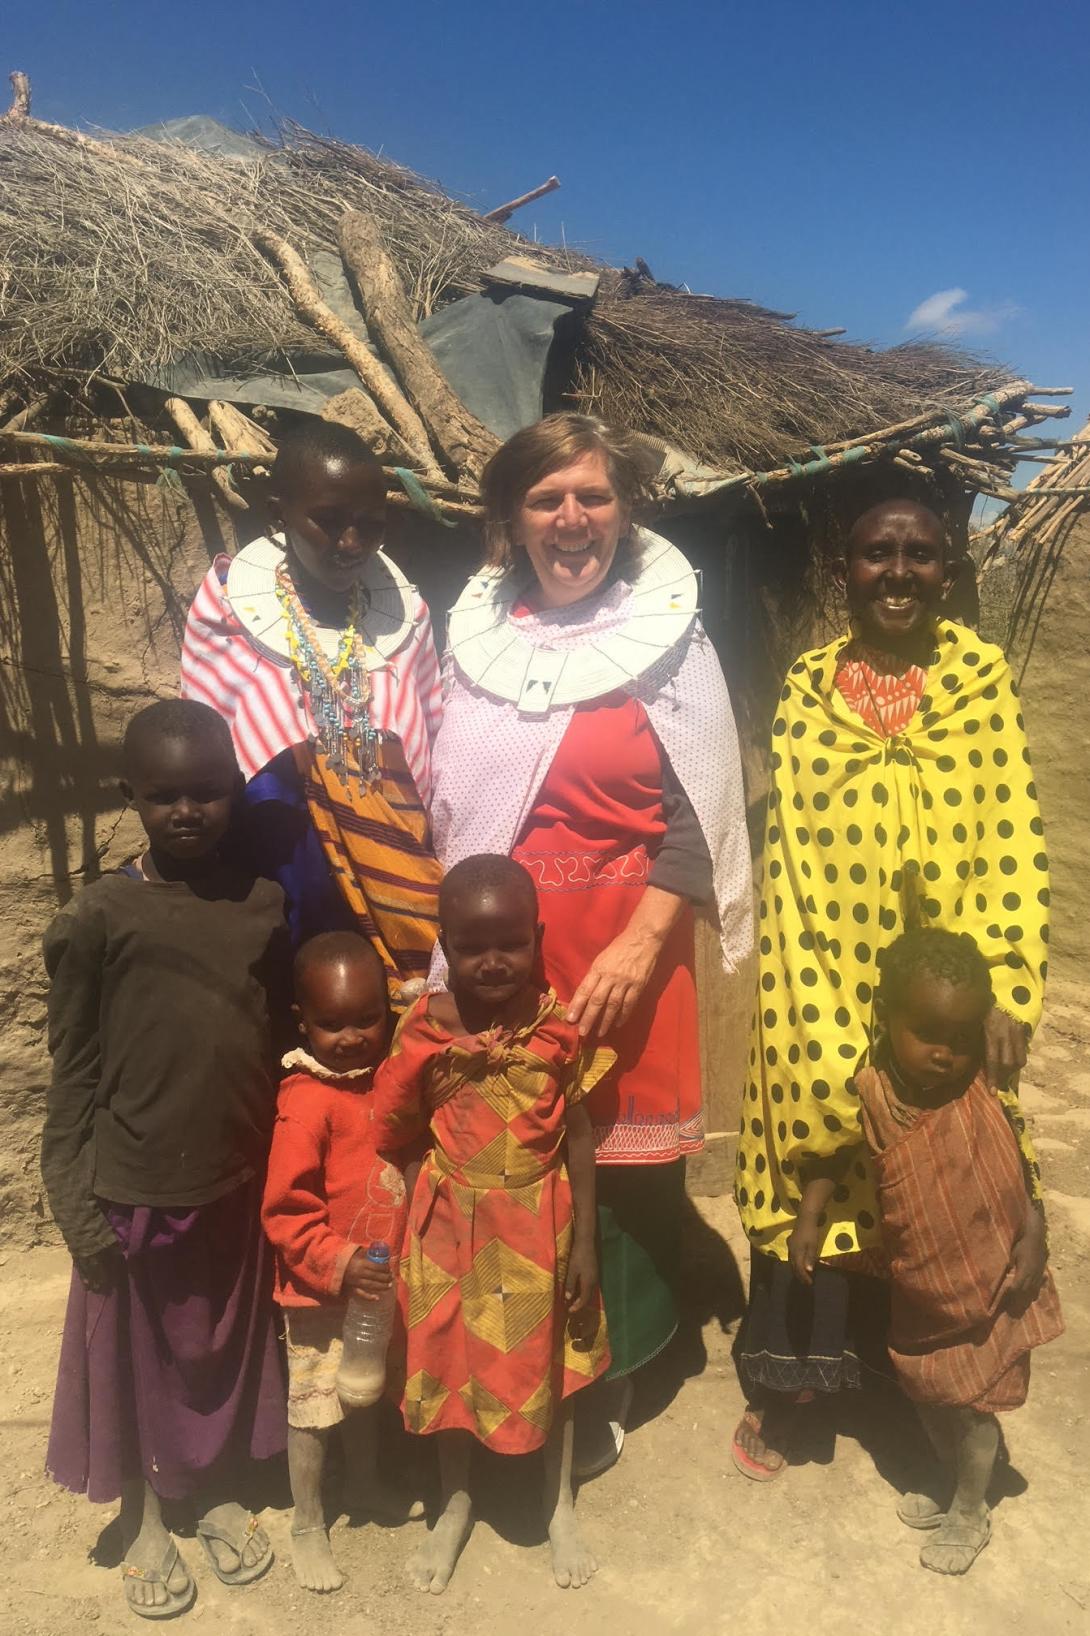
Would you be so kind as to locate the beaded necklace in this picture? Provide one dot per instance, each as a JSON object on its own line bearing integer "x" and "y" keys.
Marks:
{"x": 339, "y": 692}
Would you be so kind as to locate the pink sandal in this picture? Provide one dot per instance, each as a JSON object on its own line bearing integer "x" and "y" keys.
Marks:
{"x": 758, "y": 1470}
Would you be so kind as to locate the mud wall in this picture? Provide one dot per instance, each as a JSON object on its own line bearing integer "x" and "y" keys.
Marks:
{"x": 1038, "y": 604}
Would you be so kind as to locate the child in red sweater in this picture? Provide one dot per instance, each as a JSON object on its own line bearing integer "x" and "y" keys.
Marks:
{"x": 329, "y": 1195}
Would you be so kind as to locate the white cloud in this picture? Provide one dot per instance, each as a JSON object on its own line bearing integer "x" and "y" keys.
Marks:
{"x": 945, "y": 313}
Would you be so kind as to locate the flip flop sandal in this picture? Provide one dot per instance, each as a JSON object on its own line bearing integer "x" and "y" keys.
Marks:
{"x": 958, "y": 1535}
{"x": 757, "y": 1470}
{"x": 176, "y": 1602}
{"x": 207, "y": 1532}
{"x": 921, "y": 1519}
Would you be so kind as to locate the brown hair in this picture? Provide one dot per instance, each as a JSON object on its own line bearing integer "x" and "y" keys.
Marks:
{"x": 547, "y": 446}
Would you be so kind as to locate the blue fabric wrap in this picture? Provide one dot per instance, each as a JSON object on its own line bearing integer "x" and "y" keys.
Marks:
{"x": 279, "y": 842}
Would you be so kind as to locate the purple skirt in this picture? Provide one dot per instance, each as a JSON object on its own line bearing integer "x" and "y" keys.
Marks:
{"x": 175, "y": 1375}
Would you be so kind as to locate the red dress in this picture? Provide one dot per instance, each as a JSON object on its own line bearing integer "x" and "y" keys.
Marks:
{"x": 490, "y": 1224}
{"x": 596, "y": 825}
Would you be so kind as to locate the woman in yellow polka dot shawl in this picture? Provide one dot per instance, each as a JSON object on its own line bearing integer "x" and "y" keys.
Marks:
{"x": 901, "y": 794}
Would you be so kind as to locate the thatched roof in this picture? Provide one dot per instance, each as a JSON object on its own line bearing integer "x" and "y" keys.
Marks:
{"x": 120, "y": 256}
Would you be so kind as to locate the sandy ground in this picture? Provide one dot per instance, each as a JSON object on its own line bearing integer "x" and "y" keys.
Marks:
{"x": 685, "y": 1544}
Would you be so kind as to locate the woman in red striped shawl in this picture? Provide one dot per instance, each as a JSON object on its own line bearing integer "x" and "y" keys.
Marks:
{"x": 318, "y": 653}
{"x": 966, "y": 1303}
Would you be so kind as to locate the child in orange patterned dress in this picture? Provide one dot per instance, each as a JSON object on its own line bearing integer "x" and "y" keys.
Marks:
{"x": 499, "y": 1276}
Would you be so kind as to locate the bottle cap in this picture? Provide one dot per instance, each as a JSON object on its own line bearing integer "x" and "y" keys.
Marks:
{"x": 379, "y": 1252}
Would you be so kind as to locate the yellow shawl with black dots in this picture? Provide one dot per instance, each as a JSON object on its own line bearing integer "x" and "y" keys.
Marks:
{"x": 865, "y": 836}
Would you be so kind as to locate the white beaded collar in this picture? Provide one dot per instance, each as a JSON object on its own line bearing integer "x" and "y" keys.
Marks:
{"x": 301, "y": 1061}
{"x": 559, "y": 659}
{"x": 251, "y": 592}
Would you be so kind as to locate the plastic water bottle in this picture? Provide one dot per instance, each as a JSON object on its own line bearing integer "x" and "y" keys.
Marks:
{"x": 361, "y": 1378}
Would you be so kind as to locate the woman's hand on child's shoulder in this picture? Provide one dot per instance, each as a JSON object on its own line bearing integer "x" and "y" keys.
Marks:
{"x": 101, "y": 1271}
{"x": 366, "y": 1278}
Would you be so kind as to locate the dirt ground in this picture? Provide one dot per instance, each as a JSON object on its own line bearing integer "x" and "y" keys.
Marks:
{"x": 685, "y": 1544}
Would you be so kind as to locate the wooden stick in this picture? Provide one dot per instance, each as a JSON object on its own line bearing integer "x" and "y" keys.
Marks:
{"x": 466, "y": 444}
{"x": 102, "y": 455}
{"x": 36, "y": 468}
{"x": 883, "y": 434}
{"x": 1053, "y": 391}
{"x": 23, "y": 418}
{"x": 304, "y": 292}
{"x": 397, "y": 498}
{"x": 504, "y": 212}
{"x": 197, "y": 438}
{"x": 20, "y": 96}
{"x": 354, "y": 408}
{"x": 19, "y": 115}
{"x": 1058, "y": 488}
{"x": 1053, "y": 411}
{"x": 237, "y": 432}
{"x": 99, "y": 452}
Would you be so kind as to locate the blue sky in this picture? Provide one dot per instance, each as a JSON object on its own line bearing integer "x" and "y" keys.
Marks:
{"x": 858, "y": 162}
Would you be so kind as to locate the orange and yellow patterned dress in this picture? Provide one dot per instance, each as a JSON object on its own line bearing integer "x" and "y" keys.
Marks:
{"x": 490, "y": 1223}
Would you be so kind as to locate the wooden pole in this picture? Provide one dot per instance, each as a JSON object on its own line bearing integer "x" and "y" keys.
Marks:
{"x": 504, "y": 212}
{"x": 195, "y": 435}
{"x": 465, "y": 443}
{"x": 20, "y": 96}
{"x": 354, "y": 408}
{"x": 379, "y": 386}
{"x": 238, "y": 432}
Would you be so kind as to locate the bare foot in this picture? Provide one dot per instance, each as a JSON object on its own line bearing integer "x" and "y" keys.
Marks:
{"x": 573, "y": 1562}
{"x": 959, "y": 1540}
{"x": 238, "y": 1549}
{"x": 313, "y": 1561}
{"x": 430, "y": 1568}
{"x": 374, "y": 1497}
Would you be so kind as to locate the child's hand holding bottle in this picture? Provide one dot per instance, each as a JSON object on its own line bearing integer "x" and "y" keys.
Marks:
{"x": 366, "y": 1277}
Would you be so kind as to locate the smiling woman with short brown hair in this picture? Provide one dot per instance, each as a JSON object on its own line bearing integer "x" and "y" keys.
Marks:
{"x": 588, "y": 733}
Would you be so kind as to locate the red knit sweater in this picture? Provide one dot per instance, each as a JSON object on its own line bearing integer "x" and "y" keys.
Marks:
{"x": 328, "y": 1192}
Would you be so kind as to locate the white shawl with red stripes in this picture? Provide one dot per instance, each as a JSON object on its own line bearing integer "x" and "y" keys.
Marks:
{"x": 262, "y": 701}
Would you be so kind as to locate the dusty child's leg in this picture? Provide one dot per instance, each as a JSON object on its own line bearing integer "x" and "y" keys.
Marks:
{"x": 966, "y": 1528}
{"x": 573, "y": 1563}
{"x": 147, "y": 1548}
{"x": 365, "y": 1489}
{"x": 924, "y": 1509}
{"x": 431, "y": 1567}
{"x": 311, "y": 1556}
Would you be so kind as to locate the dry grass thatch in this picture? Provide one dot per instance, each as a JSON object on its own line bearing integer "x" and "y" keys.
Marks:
{"x": 118, "y": 257}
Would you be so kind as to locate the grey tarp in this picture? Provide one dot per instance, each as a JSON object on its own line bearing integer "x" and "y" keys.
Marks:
{"x": 493, "y": 348}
